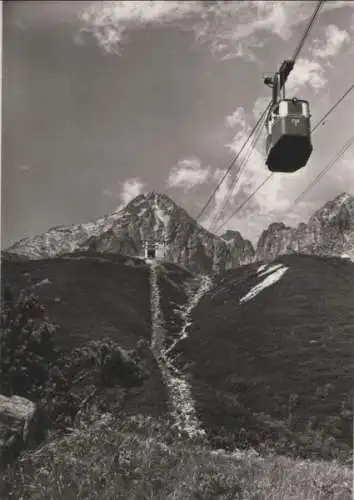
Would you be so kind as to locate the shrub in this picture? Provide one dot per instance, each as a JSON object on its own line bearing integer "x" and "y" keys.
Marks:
{"x": 81, "y": 377}
{"x": 27, "y": 350}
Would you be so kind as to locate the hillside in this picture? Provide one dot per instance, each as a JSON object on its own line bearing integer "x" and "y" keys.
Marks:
{"x": 92, "y": 297}
{"x": 282, "y": 355}
{"x": 242, "y": 371}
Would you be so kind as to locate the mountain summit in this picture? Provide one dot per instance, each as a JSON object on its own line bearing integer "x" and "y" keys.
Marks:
{"x": 148, "y": 216}
{"x": 329, "y": 232}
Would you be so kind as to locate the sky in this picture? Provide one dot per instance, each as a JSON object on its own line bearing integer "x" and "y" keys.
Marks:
{"x": 102, "y": 101}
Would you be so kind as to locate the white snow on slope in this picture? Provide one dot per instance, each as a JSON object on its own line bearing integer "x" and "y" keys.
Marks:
{"x": 346, "y": 256}
{"x": 161, "y": 216}
{"x": 182, "y": 404}
{"x": 261, "y": 268}
{"x": 270, "y": 269}
{"x": 268, "y": 281}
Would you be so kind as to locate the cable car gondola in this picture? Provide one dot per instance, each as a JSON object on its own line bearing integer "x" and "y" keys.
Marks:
{"x": 288, "y": 143}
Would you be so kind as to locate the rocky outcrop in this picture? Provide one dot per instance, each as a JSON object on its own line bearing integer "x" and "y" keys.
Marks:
{"x": 20, "y": 427}
{"x": 242, "y": 251}
{"x": 329, "y": 232}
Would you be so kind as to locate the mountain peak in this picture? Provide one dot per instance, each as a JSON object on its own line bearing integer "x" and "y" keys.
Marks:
{"x": 153, "y": 215}
{"x": 343, "y": 197}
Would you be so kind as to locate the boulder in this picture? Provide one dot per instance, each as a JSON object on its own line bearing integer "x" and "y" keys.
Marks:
{"x": 20, "y": 427}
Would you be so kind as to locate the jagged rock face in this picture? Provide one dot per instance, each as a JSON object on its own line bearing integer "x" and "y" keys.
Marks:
{"x": 242, "y": 251}
{"x": 274, "y": 241}
{"x": 329, "y": 232}
{"x": 150, "y": 216}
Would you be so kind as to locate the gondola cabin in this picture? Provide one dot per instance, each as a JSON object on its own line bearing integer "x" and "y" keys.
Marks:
{"x": 288, "y": 144}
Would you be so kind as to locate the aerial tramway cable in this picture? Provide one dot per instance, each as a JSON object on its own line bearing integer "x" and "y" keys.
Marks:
{"x": 265, "y": 112}
{"x": 218, "y": 215}
{"x": 332, "y": 108}
{"x": 233, "y": 162}
{"x": 326, "y": 169}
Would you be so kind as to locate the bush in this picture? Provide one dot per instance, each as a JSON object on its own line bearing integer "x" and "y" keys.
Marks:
{"x": 82, "y": 378}
{"x": 27, "y": 350}
{"x": 61, "y": 383}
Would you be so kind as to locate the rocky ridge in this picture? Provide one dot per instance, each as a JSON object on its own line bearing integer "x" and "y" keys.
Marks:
{"x": 329, "y": 232}
{"x": 150, "y": 216}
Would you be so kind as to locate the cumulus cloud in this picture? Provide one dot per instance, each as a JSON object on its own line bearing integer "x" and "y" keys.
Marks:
{"x": 126, "y": 190}
{"x": 260, "y": 104}
{"x": 238, "y": 117}
{"x": 306, "y": 72}
{"x": 335, "y": 38}
{"x": 188, "y": 173}
{"x": 131, "y": 188}
{"x": 230, "y": 29}
{"x": 109, "y": 21}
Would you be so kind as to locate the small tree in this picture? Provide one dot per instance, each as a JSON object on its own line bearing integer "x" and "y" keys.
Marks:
{"x": 27, "y": 349}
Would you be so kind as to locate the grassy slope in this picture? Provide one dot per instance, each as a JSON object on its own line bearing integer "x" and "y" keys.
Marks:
{"x": 252, "y": 357}
{"x": 90, "y": 296}
{"x": 140, "y": 460}
{"x": 99, "y": 296}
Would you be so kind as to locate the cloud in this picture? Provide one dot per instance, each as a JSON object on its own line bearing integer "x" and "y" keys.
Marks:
{"x": 306, "y": 71}
{"x": 188, "y": 173}
{"x": 126, "y": 190}
{"x": 235, "y": 29}
{"x": 230, "y": 29}
{"x": 335, "y": 39}
{"x": 238, "y": 117}
{"x": 108, "y": 21}
{"x": 260, "y": 105}
{"x": 131, "y": 188}
{"x": 336, "y": 4}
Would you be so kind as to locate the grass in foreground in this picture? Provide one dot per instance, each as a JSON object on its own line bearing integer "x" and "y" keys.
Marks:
{"x": 141, "y": 459}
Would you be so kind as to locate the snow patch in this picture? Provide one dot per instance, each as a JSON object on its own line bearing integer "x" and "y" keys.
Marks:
{"x": 271, "y": 269}
{"x": 261, "y": 268}
{"x": 268, "y": 281}
{"x": 161, "y": 216}
{"x": 345, "y": 256}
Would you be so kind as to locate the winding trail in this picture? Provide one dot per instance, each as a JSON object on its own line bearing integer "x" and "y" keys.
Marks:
{"x": 181, "y": 401}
